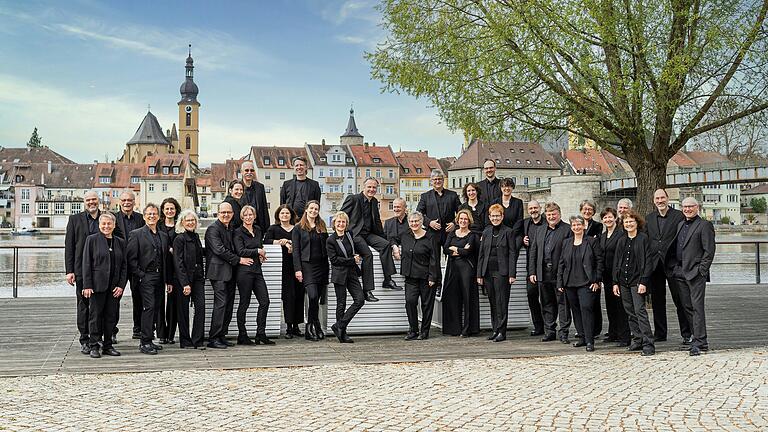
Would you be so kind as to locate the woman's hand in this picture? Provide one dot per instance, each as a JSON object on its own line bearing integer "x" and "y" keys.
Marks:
{"x": 641, "y": 289}
{"x": 616, "y": 291}
{"x": 299, "y": 276}
{"x": 595, "y": 287}
{"x": 246, "y": 261}
{"x": 187, "y": 290}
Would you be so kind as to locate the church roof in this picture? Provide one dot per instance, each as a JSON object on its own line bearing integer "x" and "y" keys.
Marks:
{"x": 351, "y": 126}
{"x": 149, "y": 132}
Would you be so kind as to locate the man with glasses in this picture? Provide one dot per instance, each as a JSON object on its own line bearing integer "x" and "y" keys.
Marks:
{"x": 298, "y": 191}
{"x": 126, "y": 221}
{"x": 439, "y": 207}
{"x": 490, "y": 189}
{"x": 255, "y": 195}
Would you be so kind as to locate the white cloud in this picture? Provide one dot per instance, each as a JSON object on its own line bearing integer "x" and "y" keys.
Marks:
{"x": 355, "y": 40}
{"x": 352, "y": 10}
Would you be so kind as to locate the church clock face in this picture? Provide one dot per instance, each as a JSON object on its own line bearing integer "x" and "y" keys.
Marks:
{"x": 188, "y": 108}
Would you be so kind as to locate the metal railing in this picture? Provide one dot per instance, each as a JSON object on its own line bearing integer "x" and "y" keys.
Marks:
{"x": 16, "y": 272}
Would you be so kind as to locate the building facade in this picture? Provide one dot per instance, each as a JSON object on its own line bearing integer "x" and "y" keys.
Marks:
{"x": 274, "y": 165}
{"x": 415, "y": 170}
{"x": 333, "y": 166}
{"x": 380, "y": 163}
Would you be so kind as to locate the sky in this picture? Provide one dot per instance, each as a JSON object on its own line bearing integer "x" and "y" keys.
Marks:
{"x": 272, "y": 72}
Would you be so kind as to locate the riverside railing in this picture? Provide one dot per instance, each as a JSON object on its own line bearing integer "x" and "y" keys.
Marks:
{"x": 16, "y": 253}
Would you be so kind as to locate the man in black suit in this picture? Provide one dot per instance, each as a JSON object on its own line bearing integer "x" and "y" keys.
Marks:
{"x": 490, "y": 189}
{"x": 220, "y": 269}
{"x": 79, "y": 227}
{"x": 530, "y": 226}
{"x": 397, "y": 225}
{"x": 365, "y": 222}
{"x": 255, "y": 195}
{"x": 545, "y": 252}
{"x": 297, "y": 192}
{"x": 439, "y": 207}
{"x": 126, "y": 221}
{"x": 694, "y": 250}
{"x": 661, "y": 226}
{"x": 147, "y": 253}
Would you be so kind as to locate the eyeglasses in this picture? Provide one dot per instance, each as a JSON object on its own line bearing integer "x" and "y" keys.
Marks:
{"x": 249, "y": 170}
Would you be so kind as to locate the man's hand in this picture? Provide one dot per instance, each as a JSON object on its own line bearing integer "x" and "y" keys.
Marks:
{"x": 187, "y": 290}
{"x": 246, "y": 261}
{"x": 595, "y": 287}
{"x": 616, "y": 291}
{"x": 479, "y": 281}
{"x": 117, "y": 292}
{"x": 71, "y": 278}
{"x": 168, "y": 288}
{"x": 299, "y": 276}
{"x": 511, "y": 280}
{"x": 525, "y": 241}
{"x": 435, "y": 225}
{"x": 450, "y": 226}
{"x": 641, "y": 289}
{"x": 87, "y": 293}
{"x": 532, "y": 278}
{"x": 358, "y": 259}
{"x": 262, "y": 255}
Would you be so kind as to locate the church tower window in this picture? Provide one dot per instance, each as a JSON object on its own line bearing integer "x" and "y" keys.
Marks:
{"x": 189, "y": 119}
{"x": 189, "y": 142}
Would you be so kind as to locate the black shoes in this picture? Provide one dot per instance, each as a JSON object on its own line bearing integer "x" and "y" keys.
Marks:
{"x": 634, "y": 347}
{"x": 590, "y": 347}
{"x": 309, "y": 332}
{"x": 296, "y": 331}
{"x": 659, "y": 338}
{"x": 114, "y": 340}
{"x": 147, "y": 349}
{"x": 156, "y": 347}
{"x": 537, "y": 332}
{"x": 688, "y": 340}
{"x": 263, "y": 339}
{"x": 411, "y": 336}
{"x": 136, "y": 336}
{"x": 319, "y": 330}
{"x": 369, "y": 297}
{"x": 649, "y": 351}
{"x": 190, "y": 347}
{"x": 549, "y": 338}
{"x": 564, "y": 340}
{"x": 623, "y": 344}
{"x": 500, "y": 338}
{"x": 217, "y": 344}
{"x": 245, "y": 340}
{"x": 85, "y": 349}
{"x": 111, "y": 352}
{"x": 422, "y": 336}
{"x": 493, "y": 336}
{"x": 96, "y": 354}
{"x": 390, "y": 284}
{"x": 336, "y": 331}
{"x": 341, "y": 334}
{"x": 694, "y": 351}
{"x": 226, "y": 342}
{"x": 580, "y": 343}
{"x": 163, "y": 341}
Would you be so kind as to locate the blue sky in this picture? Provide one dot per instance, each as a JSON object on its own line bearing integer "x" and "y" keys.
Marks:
{"x": 269, "y": 72}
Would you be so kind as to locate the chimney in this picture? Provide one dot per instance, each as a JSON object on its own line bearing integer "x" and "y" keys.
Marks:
{"x": 365, "y": 147}
{"x": 50, "y": 167}
{"x": 323, "y": 143}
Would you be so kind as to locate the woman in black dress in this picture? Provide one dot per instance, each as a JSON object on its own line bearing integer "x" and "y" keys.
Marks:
{"x": 310, "y": 260}
{"x": 478, "y": 208}
{"x": 250, "y": 279}
{"x": 420, "y": 264}
{"x": 593, "y": 228}
{"x": 345, "y": 260}
{"x": 167, "y": 317}
{"x": 579, "y": 273}
{"x": 235, "y": 193}
{"x": 618, "y": 328}
{"x": 292, "y": 294}
{"x": 460, "y": 300}
{"x": 513, "y": 208}
{"x": 188, "y": 263}
{"x": 497, "y": 269}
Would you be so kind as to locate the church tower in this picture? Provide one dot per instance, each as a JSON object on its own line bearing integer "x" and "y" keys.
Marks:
{"x": 351, "y": 136}
{"x": 189, "y": 115}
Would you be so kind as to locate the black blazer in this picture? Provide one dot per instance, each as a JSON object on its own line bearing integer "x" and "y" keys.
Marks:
{"x": 479, "y": 215}
{"x": 301, "y": 248}
{"x": 256, "y": 196}
{"x": 506, "y": 253}
{"x": 536, "y": 249}
{"x": 288, "y": 193}
{"x": 394, "y": 230}
{"x": 121, "y": 224}
{"x": 445, "y": 213}
{"x": 74, "y": 241}
{"x": 608, "y": 246}
{"x": 343, "y": 263}
{"x": 236, "y": 207}
{"x": 640, "y": 272}
{"x": 591, "y": 260}
{"x": 595, "y": 229}
{"x": 420, "y": 259}
{"x": 529, "y": 229}
{"x": 96, "y": 263}
{"x": 221, "y": 259}
{"x": 188, "y": 258}
{"x": 663, "y": 242}
{"x": 698, "y": 249}
{"x": 141, "y": 251}
{"x": 489, "y": 191}
{"x": 353, "y": 207}
{"x": 247, "y": 246}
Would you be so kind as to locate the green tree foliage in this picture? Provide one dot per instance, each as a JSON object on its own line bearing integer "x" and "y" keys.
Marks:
{"x": 35, "y": 140}
{"x": 759, "y": 205}
{"x": 638, "y": 77}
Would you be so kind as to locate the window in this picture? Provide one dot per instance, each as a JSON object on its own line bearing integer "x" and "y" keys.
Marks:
{"x": 24, "y": 208}
{"x": 281, "y": 161}
{"x": 58, "y": 208}
{"x": 76, "y": 207}
{"x": 164, "y": 187}
{"x": 189, "y": 142}
{"x": 418, "y": 171}
{"x": 322, "y": 189}
{"x": 538, "y": 181}
{"x": 266, "y": 160}
{"x": 175, "y": 170}
{"x": 517, "y": 161}
{"x": 267, "y": 175}
{"x": 378, "y": 173}
{"x": 104, "y": 179}
{"x": 349, "y": 188}
{"x": 42, "y": 208}
{"x": 134, "y": 179}
{"x": 391, "y": 173}
{"x": 189, "y": 119}
{"x": 336, "y": 158}
{"x": 115, "y": 193}
{"x": 549, "y": 162}
{"x": 166, "y": 170}
{"x": 367, "y": 172}
{"x": 349, "y": 173}
{"x": 528, "y": 161}
{"x": 391, "y": 205}
{"x": 151, "y": 187}
{"x": 376, "y": 160}
{"x": 454, "y": 182}
{"x": 390, "y": 190}
{"x": 508, "y": 161}
{"x": 525, "y": 181}
{"x": 538, "y": 162}
{"x": 406, "y": 170}
{"x": 349, "y": 160}
{"x": 25, "y": 194}
{"x": 282, "y": 176}
{"x": 267, "y": 189}
{"x": 473, "y": 179}
{"x": 151, "y": 170}
{"x": 322, "y": 174}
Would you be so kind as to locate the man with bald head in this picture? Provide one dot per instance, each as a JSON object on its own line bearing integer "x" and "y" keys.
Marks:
{"x": 531, "y": 225}
{"x": 695, "y": 251}
{"x": 221, "y": 262}
{"x": 79, "y": 227}
{"x": 397, "y": 225}
{"x": 126, "y": 221}
{"x": 254, "y": 194}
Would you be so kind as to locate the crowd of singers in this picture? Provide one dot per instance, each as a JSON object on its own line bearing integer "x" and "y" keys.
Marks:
{"x": 624, "y": 256}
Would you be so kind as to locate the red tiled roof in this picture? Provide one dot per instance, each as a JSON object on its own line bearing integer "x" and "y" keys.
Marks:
{"x": 507, "y": 154}
{"x": 319, "y": 151}
{"x": 275, "y": 154}
{"x": 32, "y": 155}
{"x": 682, "y": 160}
{"x": 365, "y": 155}
{"x": 410, "y": 161}
{"x": 593, "y": 161}
{"x": 760, "y": 189}
{"x": 120, "y": 175}
{"x": 707, "y": 157}
{"x": 227, "y": 171}
{"x": 166, "y": 160}
{"x": 77, "y": 176}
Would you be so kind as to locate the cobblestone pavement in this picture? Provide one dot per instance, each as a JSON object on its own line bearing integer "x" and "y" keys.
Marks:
{"x": 725, "y": 390}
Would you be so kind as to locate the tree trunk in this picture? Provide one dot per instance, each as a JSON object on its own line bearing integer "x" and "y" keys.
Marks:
{"x": 650, "y": 175}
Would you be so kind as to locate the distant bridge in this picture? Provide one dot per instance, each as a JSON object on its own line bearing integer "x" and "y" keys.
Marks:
{"x": 749, "y": 172}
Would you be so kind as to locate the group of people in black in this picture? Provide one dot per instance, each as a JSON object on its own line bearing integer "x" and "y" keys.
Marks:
{"x": 568, "y": 265}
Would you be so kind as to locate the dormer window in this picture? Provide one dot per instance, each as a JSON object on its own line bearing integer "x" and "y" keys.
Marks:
{"x": 223, "y": 183}
{"x": 266, "y": 160}
{"x": 166, "y": 170}
{"x": 281, "y": 161}
{"x": 135, "y": 179}
{"x": 175, "y": 170}
{"x": 349, "y": 160}
{"x": 105, "y": 179}
{"x": 549, "y": 163}
{"x": 418, "y": 170}
{"x": 376, "y": 160}
{"x": 336, "y": 157}
{"x": 406, "y": 170}
{"x": 323, "y": 159}
{"x": 151, "y": 170}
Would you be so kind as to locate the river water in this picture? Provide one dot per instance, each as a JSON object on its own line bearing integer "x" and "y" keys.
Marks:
{"x": 734, "y": 263}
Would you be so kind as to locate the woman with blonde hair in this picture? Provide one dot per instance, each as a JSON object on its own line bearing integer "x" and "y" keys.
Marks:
{"x": 460, "y": 299}
{"x": 188, "y": 262}
{"x": 310, "y": 261}
{"x": 250, "y": 279}
{"x": 343, "y": 253}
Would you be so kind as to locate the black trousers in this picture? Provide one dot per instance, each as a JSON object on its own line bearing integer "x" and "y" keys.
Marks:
{"x": 136, "y": 304}
{"x": 532, "y": 290}
{"x": 313, "y": 297}
{"x": 358, "y": 300}
{"x": 582, "y": 301}
{"x": 598, "y": 315}
{"x": 637, "y": 315}
{"x": 658, "y": 288}
{"x": 498, "y": 288}
{"x": 247, "y": 284}
{"x": 197, "y": 297}
{"x": 692, "y": 297}
{"x": 167, "y": 319}
{"x": 554, "y": 305}
{"x": 102, "y": 318}
{"x": 293, "y": 300}
{"x": 223, "y": 304}
{"x": 618, "y": 327}
{"x": 415, "y": 290}
{"x": 152, "y": 291}
{"x": 385, "y": 254}
{"x": 82, "y": 311}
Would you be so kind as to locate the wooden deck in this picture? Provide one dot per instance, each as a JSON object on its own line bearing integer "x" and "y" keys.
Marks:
{"x": 38, "y": 337}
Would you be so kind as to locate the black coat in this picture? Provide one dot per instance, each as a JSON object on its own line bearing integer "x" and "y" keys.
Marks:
{"x": 188, "y": 258}
{"x": 506, "y": 253}
{"x": 237, "y": 206}
{"x": 221, "y": 259}
{"x": 513, "y": 216}
{"x": 591, "y": 260}
{"x": 595, "y": 229}
{"x": 641, "y": 269}
{"x": 445, "y": 214}
{"x": 288, "y": 194}
{"x": 536, "y": 248}
{"x": 97, "y": 263}
{"x": 121, "y": 224}
{"x": 479, "y": 215}
{"x": 420, "y": 259}
{"x": 489, "y": 191}
{"x": 608, "y": 246}
{"x": 301, "y": 248}
{"x": 394, "y": 229}
{"x": 698, "y": 249}
{"x": 256, "y": 197}
{"x": 343, "y": 263}
{"x": 247, "y": 246}
{"x": 353, "y": 207}
{"x": 141, "y": 253}
{"x": 74, "y": 241}
{"x": 529, "y": 229}
{"x": 663, "y": 242}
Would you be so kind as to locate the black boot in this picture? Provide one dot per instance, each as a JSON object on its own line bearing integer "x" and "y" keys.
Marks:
{"x": 261, "y": 338}
{"x": 309, "y": 332}
{"x": 319, "y": 330}
{"x": 296, "y": 331}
